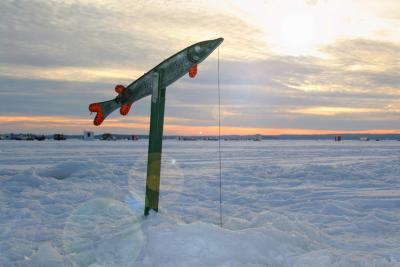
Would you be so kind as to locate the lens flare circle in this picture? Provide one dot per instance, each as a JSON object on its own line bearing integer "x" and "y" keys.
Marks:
{"x": 171, "y": 182}
{"x": 103, "y": 232}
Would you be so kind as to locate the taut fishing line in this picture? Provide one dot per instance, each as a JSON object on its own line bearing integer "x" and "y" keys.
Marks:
{"x": 219, "y": 147}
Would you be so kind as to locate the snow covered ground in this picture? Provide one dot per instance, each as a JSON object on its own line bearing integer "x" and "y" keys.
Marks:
{"x": 285, "y": 203}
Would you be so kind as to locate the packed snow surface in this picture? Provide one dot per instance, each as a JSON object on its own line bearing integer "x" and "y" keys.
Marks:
{"x": 284, "y": 203}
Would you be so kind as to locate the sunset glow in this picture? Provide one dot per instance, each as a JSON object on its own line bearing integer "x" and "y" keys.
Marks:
{"x": 140, "y": 125}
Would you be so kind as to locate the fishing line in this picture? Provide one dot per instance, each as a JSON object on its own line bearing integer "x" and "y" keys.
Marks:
{"x": 219, "y": 147}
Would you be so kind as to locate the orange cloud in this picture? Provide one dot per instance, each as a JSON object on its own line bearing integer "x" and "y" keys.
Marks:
{"x": 70, "y": 73}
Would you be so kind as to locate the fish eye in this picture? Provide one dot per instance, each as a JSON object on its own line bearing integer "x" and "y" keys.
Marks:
{"x": 195, "y": 53}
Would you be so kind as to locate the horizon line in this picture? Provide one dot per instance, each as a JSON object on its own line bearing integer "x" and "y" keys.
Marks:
{"x": 212, "y": 135}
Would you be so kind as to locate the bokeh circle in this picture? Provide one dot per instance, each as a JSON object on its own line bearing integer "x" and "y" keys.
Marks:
{"x": 171, "y": 182}
{"x": 103, "y": 232}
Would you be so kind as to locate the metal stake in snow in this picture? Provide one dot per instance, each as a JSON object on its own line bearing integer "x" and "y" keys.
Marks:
{"x": 154, "y": 83}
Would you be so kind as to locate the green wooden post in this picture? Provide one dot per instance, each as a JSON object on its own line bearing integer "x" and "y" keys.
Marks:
{"x": 155, "y": 144}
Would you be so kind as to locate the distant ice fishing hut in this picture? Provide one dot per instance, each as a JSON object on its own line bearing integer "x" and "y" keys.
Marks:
{"x": 59, "y": 137}
{"x": 257, "y": 137}
{"x": 88, "y": 135}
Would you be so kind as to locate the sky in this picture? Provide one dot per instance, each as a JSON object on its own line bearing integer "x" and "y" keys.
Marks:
{"x": 286, "y": 66}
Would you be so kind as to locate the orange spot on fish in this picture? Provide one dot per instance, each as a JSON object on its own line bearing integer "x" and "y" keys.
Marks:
{"x": 193, "y": 71}
{"x": 124, "y": 110}
{"x": 96, "y": 107}
{"x": 119, "y": 88}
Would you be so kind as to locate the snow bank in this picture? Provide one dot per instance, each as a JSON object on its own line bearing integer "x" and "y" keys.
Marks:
{"x": 200, "y": 244}
{"x": 66, "y": 169}
{"x": 22, "y": 180}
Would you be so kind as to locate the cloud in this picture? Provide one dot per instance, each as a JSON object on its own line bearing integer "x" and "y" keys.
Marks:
{"x": 59, "y": 56}
{"x": 76, "y": 74}
{"x": 269, "y": 93}
{"x": 110, "y": 34}
{"x": 364, "y": 54}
